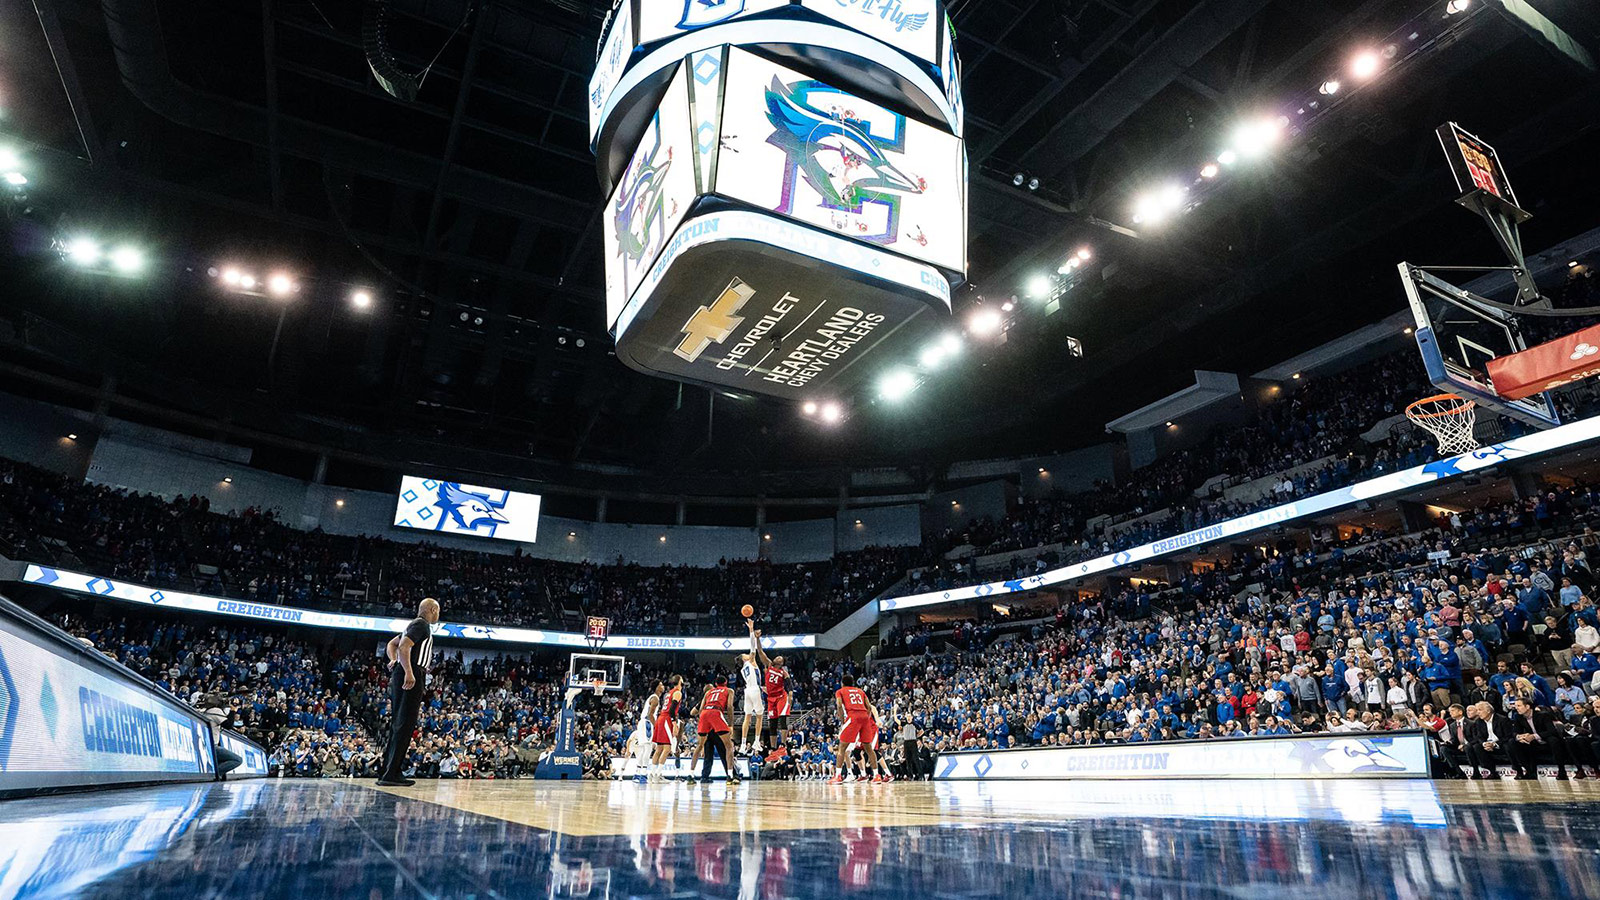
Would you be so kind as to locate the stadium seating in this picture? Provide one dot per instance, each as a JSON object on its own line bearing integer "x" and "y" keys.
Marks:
{"x": 1273, "y": 643}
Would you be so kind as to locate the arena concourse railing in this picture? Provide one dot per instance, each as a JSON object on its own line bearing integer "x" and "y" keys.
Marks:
{"x": 71, "y": 718}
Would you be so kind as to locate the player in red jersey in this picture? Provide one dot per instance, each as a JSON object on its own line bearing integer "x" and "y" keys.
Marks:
{"x": 860, "y": 726}
{"x": 666, "y": 720}
{"x": 714, "y": 709}
{"x": 776, "y": 678}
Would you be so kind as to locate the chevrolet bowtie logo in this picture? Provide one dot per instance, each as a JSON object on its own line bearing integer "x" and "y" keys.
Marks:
{"x": 712, "y": 324}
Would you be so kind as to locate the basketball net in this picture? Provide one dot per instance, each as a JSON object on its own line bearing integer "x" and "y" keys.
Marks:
{"x": 1449, "y": 418}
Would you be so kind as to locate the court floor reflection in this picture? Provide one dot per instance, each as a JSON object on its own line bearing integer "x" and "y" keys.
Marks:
{"x": 312, "y": 839}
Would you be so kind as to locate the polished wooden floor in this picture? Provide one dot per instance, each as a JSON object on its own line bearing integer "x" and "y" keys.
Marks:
{"x": 337, "y": 838}
{"x": 626, "y": 808}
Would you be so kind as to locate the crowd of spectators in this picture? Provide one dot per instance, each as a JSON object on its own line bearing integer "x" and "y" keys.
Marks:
{"x": 182, "y": 544}
{"x": 1373, "y": 636}
{"x": 1366, "y": 632}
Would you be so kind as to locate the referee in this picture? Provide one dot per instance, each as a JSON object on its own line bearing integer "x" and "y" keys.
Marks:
{"x": 410, "y": 654}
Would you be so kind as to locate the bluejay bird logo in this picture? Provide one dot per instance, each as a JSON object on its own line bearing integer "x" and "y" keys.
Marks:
{"x": 1346, "y": 756}
{"x": 466, "y": 510}
{"x": 700, "y": 13}
{"x": 640, "y": 209}
{"x": 837, "y": 154}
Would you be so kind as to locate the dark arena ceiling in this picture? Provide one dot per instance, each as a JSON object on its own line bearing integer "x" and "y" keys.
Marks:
{"x": 223, "y": 132}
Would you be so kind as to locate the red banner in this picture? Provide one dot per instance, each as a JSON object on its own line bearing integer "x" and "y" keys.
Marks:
{"x": 1550, "y": 365}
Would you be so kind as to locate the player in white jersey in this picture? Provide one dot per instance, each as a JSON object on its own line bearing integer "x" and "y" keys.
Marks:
{"x": 755, "y": 698}
{"x": 638, "y": 752}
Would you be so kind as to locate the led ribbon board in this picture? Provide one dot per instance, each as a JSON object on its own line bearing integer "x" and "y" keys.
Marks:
{"x": 1528, "y": 445}
{"x": 1399, "y": 755}
{"x": 127, "y": 592}
{"x": 65, "y": 722}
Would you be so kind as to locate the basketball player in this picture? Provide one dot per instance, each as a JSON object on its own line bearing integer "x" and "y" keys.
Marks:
{"x": 714, "y": 727}
{"x": 860, "y": 726}
{"x": 778, "y": 699}
{"x": 637, "y": 755}
{"x": 664, "y": 727}
{"x": 410, "y": 656}
{"x": 755, "y": 700}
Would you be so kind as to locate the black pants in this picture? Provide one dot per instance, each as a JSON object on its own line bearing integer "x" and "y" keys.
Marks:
{"x": 1484, "y": 758}
{"x": 913, "y": 759}
{"x": 403, "y": 705}
{"x": 714, "y": 745}
{"x": 1453, "y": 759}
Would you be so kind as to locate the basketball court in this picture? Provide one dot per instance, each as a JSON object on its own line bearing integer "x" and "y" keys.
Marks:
{"x": 614, "y": 840}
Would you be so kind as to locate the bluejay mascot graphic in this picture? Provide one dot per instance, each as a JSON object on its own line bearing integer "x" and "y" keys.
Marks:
{"x": 467, "y": 510}
{"x": 639, "y": 212}
{"x": 836, "y": 155}
{"x": 1345, "y": 756}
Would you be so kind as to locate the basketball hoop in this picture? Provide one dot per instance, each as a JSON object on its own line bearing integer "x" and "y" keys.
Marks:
{"x": 1449, "y": 418}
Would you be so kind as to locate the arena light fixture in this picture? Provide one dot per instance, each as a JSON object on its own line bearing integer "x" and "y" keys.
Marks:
{"x": 16, "y": 179}
{"x": 227, "y": 479}
{"x": 72, "y": 437}
{"x": 897, "y": 384}
{"x": 10, "y": 159}
{"x": 1209, "y": 170}
{"x": 339, "y": 503}
{"x": 1227, "y": 157}
{"x": 1008, "y": 306}
{"x": 1456, "y": 6}
{"x": 280, "y": 285}
{"x": 1018, "y": 179}
{"x": 951, "y": 342}
{"x": 831, "y": 413}
{"x": 985, "y": 321}
{"x": 809, "y": 407}
{"x": 1038, "y": 286}
{"x": 931, "y": 356}
{"x": 231, "y": 276}
{"x": 247, "y": 281}
{"x": 1330, "y": 87}
{"x": 84, "y": 251}
{"x": 127, "y": 259}
{"x": 1156, "y": 206}
{"x": 361, "y": 299}
{"x": 1254, "y": 138}
{"x": 1084, "y": 253}
{"x": 1365, "y": 64}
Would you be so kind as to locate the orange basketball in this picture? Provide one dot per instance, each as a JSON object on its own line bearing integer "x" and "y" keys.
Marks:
{"x": 747, "y": 610}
